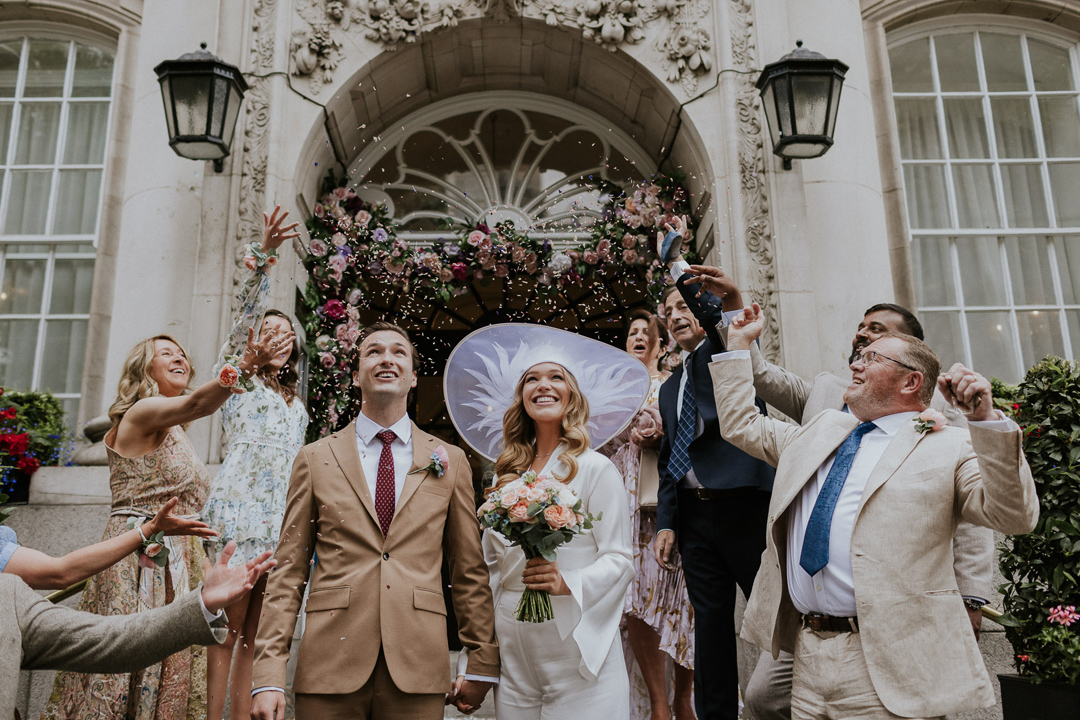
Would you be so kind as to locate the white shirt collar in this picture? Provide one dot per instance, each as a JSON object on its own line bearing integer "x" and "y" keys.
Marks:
{"x": 367, "y": 429}
{"x": 890, "y": 424}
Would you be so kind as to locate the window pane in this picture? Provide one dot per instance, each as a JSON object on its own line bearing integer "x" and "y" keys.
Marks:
{"x": 932, "y": 261}
{"x": 975, "y": 204}
{"x": 1025, "y": 203}
{"x": 1064, "y": 180}
{"x": 10, "y": 53}
{"x": 1050, "y": 66}
{"x": 956, "y": 62}
{"x": 85, "y": 140}
{"x": 78, "y": 196}
{"x": 943, "y": 336}
{"x": 46, "y": 68}
{"x": 982, "y": 277}
{"x": 927, "y": 199}
{"x": 1072, "y": 318}
{"x": 916, "y": 121}
{"x": 992, "y": 345}
{"x": 39, "y": 125}
{"x": 5, "y": 130}
{"x": 18, "y": 343}
{"x": 1029, "y": 268}
{"x": 1061, "y": 126}
{"x": 61, "y": 364}
{"x": 1067, "y": 250}
{"x": 909, "y": 65}
{"x": 23, "y": 282}
{"x": 1014, "y": 127}
{"x": 1040, "y": 335}
{"x": 966, "y": 124}
{"x": 1003, "y": 62}
{"x": 93, "y": 73}
{"x": 72, "y": 281}
{"x": 28, "y": 202}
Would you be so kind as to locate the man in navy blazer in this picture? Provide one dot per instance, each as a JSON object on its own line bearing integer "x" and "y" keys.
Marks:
{"x": 716, "y": 509}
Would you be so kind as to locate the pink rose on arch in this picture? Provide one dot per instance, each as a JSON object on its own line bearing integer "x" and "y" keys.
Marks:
{"x": 629, "y": 241}
{"x": 338, "y": 239}
{"x": 345, "y": 222}
{"x": 335, "y": 274}
{"x": 558, "y": 516}
{"x": 340, "y": 193}
{"x": 320, "y": 210}
{"x": 446, "y": 275}
{"x": 476, "y": 237}
{"x": 354, "y": 296}
{"x": 334, "y": 309}
{"x": 590, "y": 257}
{"x": 317, "y": 247}
{"x": 518, "y": 253}
{"x": 339, "y": 263}
{"x": 250, "y": 262}
{"x": 630, "y": 256}
{"x": 488, "y": 263}
{"x": 501, "y": 271}
{"x": 326, "y": 360}
{"x": 363, "y": 218}
{"x": 519, "y": 512}
{"x": 603, "y": 248}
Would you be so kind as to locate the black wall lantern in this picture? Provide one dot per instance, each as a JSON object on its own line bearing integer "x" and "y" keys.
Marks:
{"x": 801, "y": 93}
{"x": 202, "y": 95}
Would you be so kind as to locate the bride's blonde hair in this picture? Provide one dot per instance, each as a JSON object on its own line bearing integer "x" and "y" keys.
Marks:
{"x": 519, "y": 433}
{"x": 135, "y": 381}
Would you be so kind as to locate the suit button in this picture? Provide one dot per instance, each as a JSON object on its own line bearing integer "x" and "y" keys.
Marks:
{"x": 386, "y": 556}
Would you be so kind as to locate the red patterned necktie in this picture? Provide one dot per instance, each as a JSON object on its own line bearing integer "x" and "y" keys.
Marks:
{"x": 384, "y": 482}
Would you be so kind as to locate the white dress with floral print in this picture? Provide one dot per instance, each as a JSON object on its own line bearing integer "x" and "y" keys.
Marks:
{"x": 263, "y": 434}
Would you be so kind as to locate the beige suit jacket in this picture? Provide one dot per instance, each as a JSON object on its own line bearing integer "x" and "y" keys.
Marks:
{"x": 369, "y": 592}
{"x": 921, "y": 654}
{"x": 973, "y": 546}
{"x": 37, "y": 635}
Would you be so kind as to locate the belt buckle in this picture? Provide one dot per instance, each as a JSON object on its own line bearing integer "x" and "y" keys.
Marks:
{"x": 812, "y": 621}
{"x": 702, "y": 493}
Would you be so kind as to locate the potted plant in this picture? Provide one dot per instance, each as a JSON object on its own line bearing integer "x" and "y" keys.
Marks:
{"x": 32, "y": 434}
{"x": 1042, "y": 569}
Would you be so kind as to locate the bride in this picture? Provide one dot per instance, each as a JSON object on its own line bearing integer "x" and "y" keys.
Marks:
{"x": 572, "y": 666}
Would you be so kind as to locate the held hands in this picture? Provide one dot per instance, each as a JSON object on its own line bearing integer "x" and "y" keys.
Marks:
{"x": 648, "y": 428}
{"x": 164, "y": 521}
{"x": 663, "y": 546}
{"x": 541, "y": 574}
{"x": 268, "y": 705}
{"x": 969, "y": 391}
{"x": 467, "y": 695}
{"x": 261, "y": 350}
{"x": 223, "y": 585}
{"x": 274, "y": 235}
{"x": 745, "y": 328}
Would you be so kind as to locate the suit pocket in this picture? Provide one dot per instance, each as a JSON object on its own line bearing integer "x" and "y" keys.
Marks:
{"x": 428, "y": 600}
{"x": 433, "y": 489}
{"x": 331, "y": 598}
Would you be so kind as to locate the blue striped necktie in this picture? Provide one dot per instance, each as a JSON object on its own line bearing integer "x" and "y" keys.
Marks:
{"x": 815, "y": 549}
{"x": 679, "y": 462}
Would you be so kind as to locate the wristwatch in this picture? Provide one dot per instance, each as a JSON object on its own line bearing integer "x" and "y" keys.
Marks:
{"x": 974, "y": 604}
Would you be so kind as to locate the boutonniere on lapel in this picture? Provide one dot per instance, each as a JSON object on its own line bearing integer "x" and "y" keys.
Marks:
{"x": 929, "y": 420}
{"x": 439, "y": 460}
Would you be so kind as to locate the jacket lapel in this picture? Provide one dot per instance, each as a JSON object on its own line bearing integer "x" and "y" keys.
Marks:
{"x": 343, "y": 446}
{"x": 902, "y": 444}
{"x": 422, "y": 446}
{"x": 834, "y": 429}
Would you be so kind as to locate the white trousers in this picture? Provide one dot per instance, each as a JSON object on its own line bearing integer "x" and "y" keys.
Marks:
{"x": 539, "y": 677}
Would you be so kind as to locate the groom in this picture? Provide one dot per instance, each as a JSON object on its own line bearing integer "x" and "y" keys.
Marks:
{"x": 380, "y": 516}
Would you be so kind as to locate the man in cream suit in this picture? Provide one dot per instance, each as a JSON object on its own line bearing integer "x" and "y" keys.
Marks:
{"x": 857, "y": 576}
{"x": 379, "y": 514}
{"x": 37, "y": 635}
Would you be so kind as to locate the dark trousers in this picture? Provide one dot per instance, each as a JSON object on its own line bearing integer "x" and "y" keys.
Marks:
{"x": 721, "y": 541}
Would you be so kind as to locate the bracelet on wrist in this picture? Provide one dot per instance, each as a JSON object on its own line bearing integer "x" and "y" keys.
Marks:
{"x": 230, "y": 376}
{"x": 257, "y": 258}
{"x": 152, "y": 551}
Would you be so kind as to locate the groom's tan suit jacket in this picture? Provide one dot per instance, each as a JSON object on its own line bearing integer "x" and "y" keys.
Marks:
{"x": 369, "y": 592}
{"x": 921, "y": 654}
{"x": 973, "y": 546}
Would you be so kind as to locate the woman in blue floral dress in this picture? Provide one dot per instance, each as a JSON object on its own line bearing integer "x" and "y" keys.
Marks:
{"x": 264, "y": 430}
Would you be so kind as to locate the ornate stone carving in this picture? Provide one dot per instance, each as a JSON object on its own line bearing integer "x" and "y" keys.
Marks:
{"x": 315, "y": 52}
{"x": 687, "y": 47}
{"x": 611, "y": 22}
{"x": 752, "y": 177}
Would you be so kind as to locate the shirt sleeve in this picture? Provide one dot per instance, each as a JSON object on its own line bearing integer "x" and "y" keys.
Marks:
{"x": 732, "y": 355}
{"x": 998, "y": 424}
{"x": 9, "y": 543}
{"x": 251, "y": 304}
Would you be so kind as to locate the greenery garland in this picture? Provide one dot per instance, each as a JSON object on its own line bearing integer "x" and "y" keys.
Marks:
{"x": 354, "y": 242}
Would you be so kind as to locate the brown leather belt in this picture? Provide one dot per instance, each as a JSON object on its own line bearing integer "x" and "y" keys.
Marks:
{"x": 704, "y": 493}
{"x": 828, "y": 623}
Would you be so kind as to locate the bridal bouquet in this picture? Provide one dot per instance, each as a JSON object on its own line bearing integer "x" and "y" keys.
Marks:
{"x": 538, "y": 514}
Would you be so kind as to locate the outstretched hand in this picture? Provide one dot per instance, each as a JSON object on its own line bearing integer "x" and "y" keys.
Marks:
{"x": 223, "y": 585}
{"x": 718, "y": 282}
{"x": 164, "y": 521}
{"x": 745, "y": 328}
{"x": 274, "y": 235}
{"x": 968, "y": 390}
{"x": 674, "y": 251}
{"x": 264, "y": 348}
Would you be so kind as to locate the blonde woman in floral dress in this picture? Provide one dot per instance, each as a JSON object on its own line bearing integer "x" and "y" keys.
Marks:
{"x": 658, "y": 620}
{"x": 264, "y": 430}
{"x": 151, "y": 461}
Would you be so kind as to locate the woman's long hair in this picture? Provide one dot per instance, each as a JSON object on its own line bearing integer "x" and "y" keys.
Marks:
{"x": 519, "y": 434}
{"x": 135, "y": 381}
{"x": 287, "y": 380}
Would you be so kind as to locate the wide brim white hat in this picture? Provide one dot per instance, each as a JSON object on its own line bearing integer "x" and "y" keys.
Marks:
{"x": 485, "y": 367}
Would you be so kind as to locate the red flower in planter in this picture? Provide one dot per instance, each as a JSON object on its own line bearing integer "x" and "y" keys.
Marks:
{"x": 28, "y": 464}
{"x": 7, "y": 414}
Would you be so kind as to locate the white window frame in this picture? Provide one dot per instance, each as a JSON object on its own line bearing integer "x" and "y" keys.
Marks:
{"x": 1021, "y": 28}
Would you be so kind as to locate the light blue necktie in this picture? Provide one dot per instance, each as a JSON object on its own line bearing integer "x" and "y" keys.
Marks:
{"x": 679, "y": 462}
{"x": 815, "y": 549}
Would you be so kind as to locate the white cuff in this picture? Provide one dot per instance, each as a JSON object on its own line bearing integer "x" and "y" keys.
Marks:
{"x": 258, "y": 690}
{"x": 482, "y": 678}
{"x": 732, "y": 355}
{"x": 678, "y": 268}
{"x": 1000, "y": 424}
{"x": 210, "y": 617}
{"x": 728, "y": 315}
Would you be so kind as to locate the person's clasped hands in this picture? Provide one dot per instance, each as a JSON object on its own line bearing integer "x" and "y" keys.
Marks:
{"x": 648, "y": 428}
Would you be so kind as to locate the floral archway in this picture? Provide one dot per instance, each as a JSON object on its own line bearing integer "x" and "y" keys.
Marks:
{"x": 360, "y": 271}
